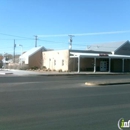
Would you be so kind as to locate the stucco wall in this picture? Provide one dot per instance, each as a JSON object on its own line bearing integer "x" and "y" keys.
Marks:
{"x": 36, "y": 59}
{"x": 56, "y": 60}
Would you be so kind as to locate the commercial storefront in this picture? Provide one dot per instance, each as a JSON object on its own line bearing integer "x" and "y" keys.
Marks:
{"x": 82, "y": 62}
{"x": 111, "y": 57}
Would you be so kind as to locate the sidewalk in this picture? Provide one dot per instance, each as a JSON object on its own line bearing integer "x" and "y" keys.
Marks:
{"x": 4, "y": 72}
{"x": 50, "y": 73}
{"x": 17, "y": 72}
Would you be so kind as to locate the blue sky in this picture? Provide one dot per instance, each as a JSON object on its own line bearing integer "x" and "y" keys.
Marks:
{"x": 22, "y": 19}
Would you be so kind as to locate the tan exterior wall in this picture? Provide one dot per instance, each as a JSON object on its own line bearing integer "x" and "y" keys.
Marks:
{"x": 56, "y": 60}
{"x": 36, "y": 59}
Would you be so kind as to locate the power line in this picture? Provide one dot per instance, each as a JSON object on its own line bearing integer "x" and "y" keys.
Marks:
{"x": 14, "y": 36}
{"x": 25, "y": 38}
{"x": 15, "y": 39}
{"x": 55, "y": 42}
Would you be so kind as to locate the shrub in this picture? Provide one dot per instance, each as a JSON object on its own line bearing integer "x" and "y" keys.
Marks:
{"x": 60, "y": 70}
{"x": 49, "y": 69}
{"x": 44, "y": 68}
{"x": 34, "y": 68}
{"x": 23, "y": 67}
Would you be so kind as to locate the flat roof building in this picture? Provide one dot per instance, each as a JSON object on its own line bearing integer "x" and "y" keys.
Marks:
{"x": 111, "y": 57}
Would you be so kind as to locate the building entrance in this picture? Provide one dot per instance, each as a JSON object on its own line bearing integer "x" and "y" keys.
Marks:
{"x": 103, "y": 65}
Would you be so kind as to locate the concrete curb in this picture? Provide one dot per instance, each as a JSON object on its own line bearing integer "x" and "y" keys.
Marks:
{"x": 72, "y": 74}
{"x": 5, "y": 73}
{"x": 102, "y": 83}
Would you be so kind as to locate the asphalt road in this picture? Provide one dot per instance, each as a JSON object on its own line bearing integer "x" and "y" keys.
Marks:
{"x": 62, "y": 103}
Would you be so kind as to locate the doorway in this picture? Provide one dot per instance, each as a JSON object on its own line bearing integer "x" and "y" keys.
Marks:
{"x": 103, "y": 65}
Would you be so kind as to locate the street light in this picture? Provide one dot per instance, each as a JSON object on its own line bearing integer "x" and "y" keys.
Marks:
{"x": 21, "y": 48}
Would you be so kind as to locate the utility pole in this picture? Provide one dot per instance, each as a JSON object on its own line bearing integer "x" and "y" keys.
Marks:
{"x": 35, "y": 40}
{"x": 14, "y": 50}
{"x": 70, "y": 41}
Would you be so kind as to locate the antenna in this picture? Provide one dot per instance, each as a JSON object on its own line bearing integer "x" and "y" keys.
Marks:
{"x": 70, "y": 41}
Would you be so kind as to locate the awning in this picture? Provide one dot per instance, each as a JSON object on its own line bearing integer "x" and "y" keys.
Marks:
{"x": 99, "y": 55}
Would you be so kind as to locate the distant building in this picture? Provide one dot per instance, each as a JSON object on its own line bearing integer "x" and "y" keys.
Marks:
{"x": 110, "y": 57}
{"x": 1, "y": 62}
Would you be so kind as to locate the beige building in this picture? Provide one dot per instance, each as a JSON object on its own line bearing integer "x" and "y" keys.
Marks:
{"x": 56, "y": 60}
{"x": 109, "y": 57}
